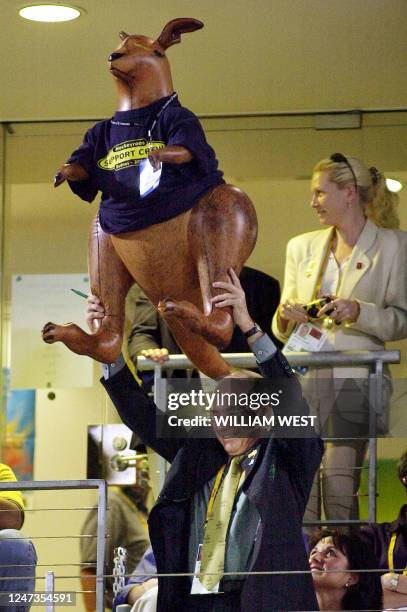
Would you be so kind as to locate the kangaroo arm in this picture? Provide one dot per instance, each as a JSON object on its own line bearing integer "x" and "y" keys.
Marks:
{"x": 70, "y": 172}
{"x": 172, "y": 154}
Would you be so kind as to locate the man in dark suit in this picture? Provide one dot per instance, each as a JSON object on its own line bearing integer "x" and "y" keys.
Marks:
{"x": 269, "y": 505}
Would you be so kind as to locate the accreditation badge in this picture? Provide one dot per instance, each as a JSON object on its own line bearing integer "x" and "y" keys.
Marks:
{"x": 149, "y": 179}
{"x": 197, "y": 588}
{"x": 306, "y": 337}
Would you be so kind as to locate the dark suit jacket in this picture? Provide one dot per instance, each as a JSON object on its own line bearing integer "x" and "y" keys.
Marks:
{"x": 262, "y": 298}
{"x": 279, "y": 486}
{"x": 149, "y": 330}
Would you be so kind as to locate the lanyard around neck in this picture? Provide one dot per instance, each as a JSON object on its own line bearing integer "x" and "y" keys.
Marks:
{"x": 324, "y": 265}
{"x": 162, "y": 109}
{"x": 157, "y": 116}
{"x": 215, "y": 489}
{"x": 390, "y": 553}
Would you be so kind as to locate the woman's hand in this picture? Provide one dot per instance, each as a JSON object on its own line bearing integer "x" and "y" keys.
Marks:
{"x": 235, "y": 297}
{"x": 293, "y": 311}
{"x": 394, "y": 591}
{"x": 94, "y": 312}
{"x": 397, "y": 586}
{"x": 341, "y": 310}
{"x": 158, "y": 355}
{"x": 387, "y": 581}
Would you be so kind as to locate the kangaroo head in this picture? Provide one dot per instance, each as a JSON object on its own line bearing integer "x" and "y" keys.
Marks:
{"x": 140, "y": 59}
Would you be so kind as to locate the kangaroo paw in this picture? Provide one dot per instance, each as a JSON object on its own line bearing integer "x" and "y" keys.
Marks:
{"x": 102, "y": 346}
{"x": 52, "y": 332}
{"x": 217, "y": 328}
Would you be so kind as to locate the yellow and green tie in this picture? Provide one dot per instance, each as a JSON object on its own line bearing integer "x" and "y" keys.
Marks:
{"x": 216, "y": 528}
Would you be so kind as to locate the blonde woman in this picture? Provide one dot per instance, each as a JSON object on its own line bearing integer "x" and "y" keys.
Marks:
{"x": 359, "y": 260}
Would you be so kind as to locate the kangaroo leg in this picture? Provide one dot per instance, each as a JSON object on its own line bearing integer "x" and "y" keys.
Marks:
{"x": 222, "y": 233}
{"x": 110, "y": 281}
{"x": 203, "y": 355}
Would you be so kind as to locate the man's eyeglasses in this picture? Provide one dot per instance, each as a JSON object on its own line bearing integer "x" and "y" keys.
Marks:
{"x": 338, "y": 158}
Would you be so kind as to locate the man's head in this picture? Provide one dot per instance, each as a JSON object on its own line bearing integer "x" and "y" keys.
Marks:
{"x": 235, "y": 446}
{"x": 232, "y": 389}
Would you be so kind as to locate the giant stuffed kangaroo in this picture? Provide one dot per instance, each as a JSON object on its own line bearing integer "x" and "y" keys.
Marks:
{"x": 174, "y": 235}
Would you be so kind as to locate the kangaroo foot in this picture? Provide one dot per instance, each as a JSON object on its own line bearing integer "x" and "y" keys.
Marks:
{"x": 217, "y": 328}
{"x": 103, "y": 346}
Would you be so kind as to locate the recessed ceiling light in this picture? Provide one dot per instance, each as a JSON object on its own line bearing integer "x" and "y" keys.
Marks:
{"x": 394, "y": 185}
{"x": 49, "y": 12}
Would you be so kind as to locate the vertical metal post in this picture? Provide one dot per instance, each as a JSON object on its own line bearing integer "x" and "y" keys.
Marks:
{"x": 375, "y": 408}
{"x": 49, "y": 589}
{"x": 372, "y": 479}
{"x": 101, "y": 546}
{"x": 3, "y": 198}
{"x": 161, "y": 463}
{"x": 157, "y": 383}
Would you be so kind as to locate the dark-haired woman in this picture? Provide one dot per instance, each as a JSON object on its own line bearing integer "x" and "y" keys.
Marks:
{"x": 337, "y": 561}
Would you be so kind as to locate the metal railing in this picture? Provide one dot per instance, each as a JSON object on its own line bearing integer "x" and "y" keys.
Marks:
{"x": 50, "y": 485}
{"x": 373, "y": 359}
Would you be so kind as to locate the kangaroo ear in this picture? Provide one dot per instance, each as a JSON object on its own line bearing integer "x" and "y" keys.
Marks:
{"x": 171, "y": 33}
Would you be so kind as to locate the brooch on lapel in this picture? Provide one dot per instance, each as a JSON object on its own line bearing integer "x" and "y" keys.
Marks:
{"x": 252, "y": 456}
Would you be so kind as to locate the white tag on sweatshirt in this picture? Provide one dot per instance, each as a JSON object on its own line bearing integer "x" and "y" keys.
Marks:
{"x": 149, "y": 178}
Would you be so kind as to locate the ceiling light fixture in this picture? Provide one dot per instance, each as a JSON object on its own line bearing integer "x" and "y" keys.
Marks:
{"x": 49, "y": 12}
{"x": 394, "y": 185}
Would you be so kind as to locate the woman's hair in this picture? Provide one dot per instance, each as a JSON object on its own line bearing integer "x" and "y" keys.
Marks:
{"x": 366, "y": 594}
{"x": 378, "y": 202}
{"x": 402, "y": 469}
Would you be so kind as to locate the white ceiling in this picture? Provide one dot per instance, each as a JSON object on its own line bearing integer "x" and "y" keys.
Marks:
{"x": 252, "y": 55}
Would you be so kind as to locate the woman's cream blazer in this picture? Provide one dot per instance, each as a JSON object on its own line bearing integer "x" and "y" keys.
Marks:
{"x": 376, "y": 277}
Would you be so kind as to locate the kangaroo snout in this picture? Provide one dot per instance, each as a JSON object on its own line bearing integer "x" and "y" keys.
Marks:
{"x": 115, "y": 56}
